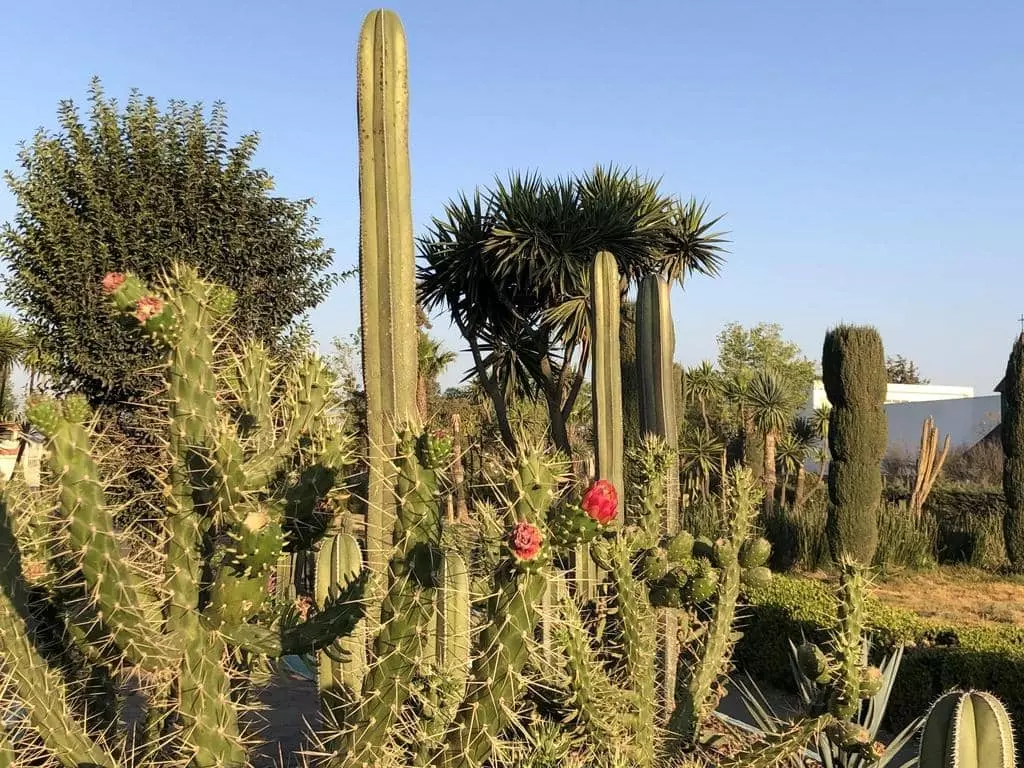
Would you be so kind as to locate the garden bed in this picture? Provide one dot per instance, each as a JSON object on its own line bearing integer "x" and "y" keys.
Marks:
{"x": 953, "y": 636}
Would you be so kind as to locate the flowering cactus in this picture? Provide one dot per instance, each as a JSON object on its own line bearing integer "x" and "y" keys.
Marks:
{"x": 601, "y": 502}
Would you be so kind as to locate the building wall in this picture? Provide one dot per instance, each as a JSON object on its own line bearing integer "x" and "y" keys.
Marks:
{"x": 965, "y": 420}
{"x": 898, "y": 393}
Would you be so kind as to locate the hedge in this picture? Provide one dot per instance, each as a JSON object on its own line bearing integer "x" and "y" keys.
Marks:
{"x": 938, "y": 656}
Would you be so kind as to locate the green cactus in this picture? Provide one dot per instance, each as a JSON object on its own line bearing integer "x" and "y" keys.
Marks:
{"x": 1012, "y": 432}
{"x": 176, "y": 614}
{"x": 386, "y": 264}
{"x": 606, "y": 395}
{"x": 966, "y": 729}
{"x": 853, "y": 370}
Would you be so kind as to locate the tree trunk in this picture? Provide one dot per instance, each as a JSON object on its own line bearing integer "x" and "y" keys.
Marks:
{"x": 421, "y": 397}
{"x": 798, "y": 493}
{"x": 769, "y": 470}
{"x": 783, "y": 487}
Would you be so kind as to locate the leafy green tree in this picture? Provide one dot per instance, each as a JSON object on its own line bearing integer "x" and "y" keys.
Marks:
{"x": 511, "y": 266}
{"x": 762, "y": 348}
{"x": 900, "y": 370}
{"x": 135, "y": 189}
{"x": 13, "y": 344}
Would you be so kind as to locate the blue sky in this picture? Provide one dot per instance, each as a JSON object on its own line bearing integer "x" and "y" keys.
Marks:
{"x": 866, "y": 156}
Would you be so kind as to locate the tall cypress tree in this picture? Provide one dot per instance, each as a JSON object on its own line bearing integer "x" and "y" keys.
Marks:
{"x": 853, "y": 370}
{"x": 1012, "y": 432}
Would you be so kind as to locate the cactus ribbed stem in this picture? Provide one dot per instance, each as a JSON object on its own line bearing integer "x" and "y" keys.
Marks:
{"x": 606, "y": 376}
{"x": 386, "y": 263}
{"x": 967, "y": 729}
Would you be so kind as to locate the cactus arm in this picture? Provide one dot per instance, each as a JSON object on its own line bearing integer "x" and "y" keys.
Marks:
{"x": 494, "y": 683}
{"x": 337, "y": 619}
{"x": 130, "y": 613}
{"x": 513, "y": 614}
{"x": 639, "y": 648}
{"x": 698, "y": 693}
{"x": 32, "y": 680}
{"x": 409, "y": 611}
{"x": 778, "y": 750}
{"x": 386, "y": 261}
{"x": 453, "y": 627}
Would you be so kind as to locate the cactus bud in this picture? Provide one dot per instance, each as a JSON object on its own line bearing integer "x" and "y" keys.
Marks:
{"x": 848, "y": 735}
{"x": 655, "y": 564}
{"x": 813, "y": 662}
{"x": 723, "y": 553}
{"x": 755, "y": 552}
{"x": 758, "y": 577}
{"x": 871, "y": 681}
{"x": 680, "y": 547}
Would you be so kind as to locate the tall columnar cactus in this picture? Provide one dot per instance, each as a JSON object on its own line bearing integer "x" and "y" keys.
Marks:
{"x": 386, "y": 264}
{"x": 655, "y": 345}
{"x": 967, "y": 729}
{"x": 853, "y": 370}
{"x": 1012, "y": 430}
{"x": 606, "y": 395}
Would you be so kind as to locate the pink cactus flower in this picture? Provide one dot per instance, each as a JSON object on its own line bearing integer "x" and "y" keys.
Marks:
{"x": 526, "y": 541}
{"x": 112, "y": 281}
{"x": 601, "y": 502}
{"x": 147, "y": 307}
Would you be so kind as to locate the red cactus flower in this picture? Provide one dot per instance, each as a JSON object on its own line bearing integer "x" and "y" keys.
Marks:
{"x": 525, "y": 541}
{"x": 112, "y": 281}
{"x": 601, "y": 502}
{"x": 147, "y": 307}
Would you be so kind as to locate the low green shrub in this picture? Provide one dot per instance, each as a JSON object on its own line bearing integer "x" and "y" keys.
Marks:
{"x": 939, "y": 656}
{"x": 799, "y": 543}
{"x": 969, "y": 525}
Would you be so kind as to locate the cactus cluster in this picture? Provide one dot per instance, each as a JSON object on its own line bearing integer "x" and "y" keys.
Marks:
{"x": 572, "y": 628}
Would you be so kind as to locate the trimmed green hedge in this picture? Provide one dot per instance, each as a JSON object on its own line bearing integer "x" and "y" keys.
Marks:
{"x": 937, "y": 657}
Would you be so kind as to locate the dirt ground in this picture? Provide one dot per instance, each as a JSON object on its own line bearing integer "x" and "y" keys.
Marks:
{"x": 961, "y": 595}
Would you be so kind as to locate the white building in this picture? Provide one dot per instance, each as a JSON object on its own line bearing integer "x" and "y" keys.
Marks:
{"x": 956, "y": 410}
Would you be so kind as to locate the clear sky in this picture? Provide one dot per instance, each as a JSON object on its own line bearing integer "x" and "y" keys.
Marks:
{"x": 867, "y": 156}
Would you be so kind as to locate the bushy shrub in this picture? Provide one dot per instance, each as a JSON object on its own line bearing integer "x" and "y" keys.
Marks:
{"x": 968, "y": 525}
{"x": 939, "y": 656}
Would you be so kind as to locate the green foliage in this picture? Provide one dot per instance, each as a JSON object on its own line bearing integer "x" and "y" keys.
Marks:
{"x": 1012, "y": 429}
{"x": 760, "y": 348}
{"x": 938, "y": 655}
{"x": 136, "y": 189}
{"x": 969, "y": 525}
{"x": 900, "y": 370}
{"x": 853, "y": 370}
{"x": 511, "y": 266}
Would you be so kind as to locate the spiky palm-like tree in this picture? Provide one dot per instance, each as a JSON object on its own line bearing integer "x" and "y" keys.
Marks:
{"x": 700, "y": 454}
{"x": 704, "y": 385}
{"x": 433, "y": 360}
{"x": 735, "y": 387}
{"x": 793, "y": 448}
{"x": 510, "y": 265}
{"x": 771, "y": 408}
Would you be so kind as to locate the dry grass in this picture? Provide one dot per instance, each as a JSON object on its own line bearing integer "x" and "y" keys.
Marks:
{"x": 956, "y": 594}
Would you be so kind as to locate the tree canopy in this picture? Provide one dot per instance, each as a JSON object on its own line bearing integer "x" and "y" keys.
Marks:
{"x": 900, "y": 370}
{"x": 511, "y": 266}
{"x": 762, "y": 348}
{"x": 136, "y": 189}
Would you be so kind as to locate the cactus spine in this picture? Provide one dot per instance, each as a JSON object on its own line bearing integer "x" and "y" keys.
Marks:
{"x": 967, "y": 729}
{"x": 853, "y": 370}
{"x": 1012, "y": 431}
{"x": 386, "y": 264}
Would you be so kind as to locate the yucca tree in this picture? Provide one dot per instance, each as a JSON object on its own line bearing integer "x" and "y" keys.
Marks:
{"x": 704, "y": 385}
{"x": 771, "y": 408}
{"x": 700, "y": 453}
{"x": 510, "y": 265}
{"x": 13, "y": 342}
{"x": 792, "y": 450}
{"x": 735, "y": 387}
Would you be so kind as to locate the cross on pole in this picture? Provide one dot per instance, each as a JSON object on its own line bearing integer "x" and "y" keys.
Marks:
{"x": 1021, "y": 321}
